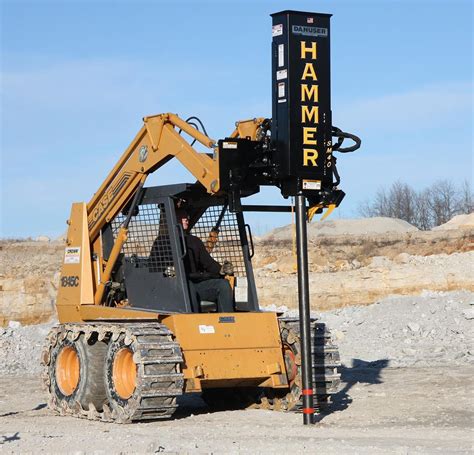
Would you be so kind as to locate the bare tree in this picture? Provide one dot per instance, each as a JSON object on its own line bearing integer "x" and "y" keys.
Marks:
{"x": 401, "y": 203}
{"x": 426, "y": 208}
{"x": 423, "y": 217}
{"x": 466, "y": 198}
{"x": 443, "y": 201}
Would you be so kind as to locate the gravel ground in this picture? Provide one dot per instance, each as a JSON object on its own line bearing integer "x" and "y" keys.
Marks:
{"x": 406, "y": 389}
{"x": 379, "y": 410}
{"x": 431, "y": 329}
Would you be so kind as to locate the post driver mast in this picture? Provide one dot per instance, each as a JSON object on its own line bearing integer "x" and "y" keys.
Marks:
{"x": 293, "y": 150}
{"x": 302, "y": 134}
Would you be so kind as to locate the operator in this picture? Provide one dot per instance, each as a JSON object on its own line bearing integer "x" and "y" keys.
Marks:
{"x": 206, "y": 275}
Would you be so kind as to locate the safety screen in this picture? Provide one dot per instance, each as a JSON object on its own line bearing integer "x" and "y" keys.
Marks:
{"x": 226, "y": 246}
{"x": 148, "y": 243}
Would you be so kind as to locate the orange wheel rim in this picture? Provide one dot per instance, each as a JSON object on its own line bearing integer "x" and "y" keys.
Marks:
{"x": 290, "y": 363}
{"x": 124, "y": 373}
{"x": 67, "y": 370}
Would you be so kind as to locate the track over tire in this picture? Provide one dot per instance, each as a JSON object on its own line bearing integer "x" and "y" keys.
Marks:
{"x": 76, "y": 373}
{"x": 325, "y": 361}
{"x": 142, "y": 377}
{"x": 120, "y": 377}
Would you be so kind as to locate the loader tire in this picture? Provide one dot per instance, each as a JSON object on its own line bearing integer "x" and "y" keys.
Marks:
{"x": 75, "y": 372}
{"x": 142, "y": 374}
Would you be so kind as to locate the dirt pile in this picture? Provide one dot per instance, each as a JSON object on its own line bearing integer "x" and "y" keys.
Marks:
{"x": 364, "y": 226}
{"x": 458, "y": 222}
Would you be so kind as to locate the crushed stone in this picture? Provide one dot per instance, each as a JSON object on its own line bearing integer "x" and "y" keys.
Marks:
{"x": 434, "y": 328}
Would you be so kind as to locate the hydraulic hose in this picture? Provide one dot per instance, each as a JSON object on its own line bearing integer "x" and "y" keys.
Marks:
{"x": 341, "y": 135}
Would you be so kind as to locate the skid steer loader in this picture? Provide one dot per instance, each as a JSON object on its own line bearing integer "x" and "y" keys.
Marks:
{"x": 132, "y": 334}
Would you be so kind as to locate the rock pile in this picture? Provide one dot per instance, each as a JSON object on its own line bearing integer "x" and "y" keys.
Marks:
{"x": 435, "y": 328}
{"x": 20, "y": 348}
{"x": 431, "y": 329}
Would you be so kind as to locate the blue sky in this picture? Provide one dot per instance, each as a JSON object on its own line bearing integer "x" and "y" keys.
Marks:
{"x": 78, "y": 76}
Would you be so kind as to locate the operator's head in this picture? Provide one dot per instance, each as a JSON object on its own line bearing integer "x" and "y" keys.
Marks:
{"x": 183, "y": 217}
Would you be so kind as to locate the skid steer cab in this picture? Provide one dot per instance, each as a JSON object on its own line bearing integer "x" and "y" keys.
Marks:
{"x": 151, "y": 273}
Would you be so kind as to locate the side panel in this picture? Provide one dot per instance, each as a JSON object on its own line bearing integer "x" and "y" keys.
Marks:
{"x": 226, "y": 349}
{"x": 75, "y": 284}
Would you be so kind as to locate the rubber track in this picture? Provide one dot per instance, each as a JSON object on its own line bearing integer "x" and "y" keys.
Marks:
{"x": 158, "y": 360}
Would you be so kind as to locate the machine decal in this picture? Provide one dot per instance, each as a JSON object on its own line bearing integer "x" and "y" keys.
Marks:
{"x": 311, "y": 184}
{"x": 72, "y": 255}
{"x": 227, "y": 319}
{"x": 143, "y": 153}
{"x": 281, "y": 55}
{"x": 229, "y": 145}
{"x": 277, "y": 30}
{"x": 309, "y": 31}
{"x": 281, "y": 90}
{"x": 107, "y": 199}
{"x": 206, "y": 329}
{"x": 69, "y": 281}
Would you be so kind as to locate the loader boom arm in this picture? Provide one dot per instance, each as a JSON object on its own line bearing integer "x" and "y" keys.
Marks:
{"x": 157, "y": 142}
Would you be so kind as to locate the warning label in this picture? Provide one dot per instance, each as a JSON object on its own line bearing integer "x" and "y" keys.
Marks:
{"x": 72, "y": 255}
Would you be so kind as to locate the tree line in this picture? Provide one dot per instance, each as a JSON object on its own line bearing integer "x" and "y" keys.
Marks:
{"x": 425, "y": 208}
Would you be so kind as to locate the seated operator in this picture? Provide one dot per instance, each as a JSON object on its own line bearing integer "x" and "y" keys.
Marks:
{"x": 205, "y": 275}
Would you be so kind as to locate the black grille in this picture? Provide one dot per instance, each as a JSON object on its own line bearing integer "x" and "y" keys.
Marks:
{"x": 228, "y": 246}
{"x": 148, "y": 243}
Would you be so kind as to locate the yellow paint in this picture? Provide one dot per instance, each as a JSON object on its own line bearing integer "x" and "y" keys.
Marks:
{"x": 310, "y": 114}
{"x": 248, "y": 349}
{"x": 309, "y": 72}
{"x": 309, "y": 49}
{"x": 309, "y": 157}
{"x": 309, "y": 135}
{"x": 309, "y": 93}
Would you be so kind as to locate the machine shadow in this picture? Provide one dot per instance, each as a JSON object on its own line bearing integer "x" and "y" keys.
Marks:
{"x": 361, "y": 372}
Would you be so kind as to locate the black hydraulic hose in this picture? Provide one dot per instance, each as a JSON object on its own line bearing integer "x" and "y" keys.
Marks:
{"x": 188, "y": 120}
{"x": 341, "y": 135}
{"x": 199, "y": 121}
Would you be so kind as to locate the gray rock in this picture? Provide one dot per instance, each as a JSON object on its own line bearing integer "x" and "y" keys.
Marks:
{"x": 469, "y": 313}
{"x": 413, "y": 326}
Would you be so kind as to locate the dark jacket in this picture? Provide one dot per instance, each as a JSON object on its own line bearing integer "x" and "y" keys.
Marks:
{"x": 198, "y": 263}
